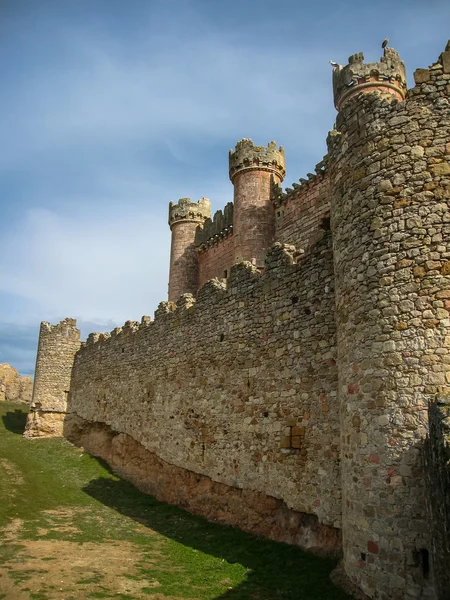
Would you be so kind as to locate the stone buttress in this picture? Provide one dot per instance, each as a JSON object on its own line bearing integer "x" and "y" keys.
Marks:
{"x": 57, "y": 347}
{"x": 184, "y": 218}
{"x": 253, "y": 169}
{"x": 390, "y": 179}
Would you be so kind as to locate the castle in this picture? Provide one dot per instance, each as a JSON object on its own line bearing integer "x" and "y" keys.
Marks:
{"x": 296, "y": 382}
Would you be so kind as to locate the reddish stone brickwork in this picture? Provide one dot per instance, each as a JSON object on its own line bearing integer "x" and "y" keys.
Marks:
{"x": 303, "y": 215}
{"x": 216, "y": 260}
{"x": 184, "y": 269}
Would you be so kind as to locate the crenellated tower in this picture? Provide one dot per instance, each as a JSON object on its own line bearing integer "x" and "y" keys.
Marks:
{"x": 252, "y": 168}
{"x": 184, "y": 218}
{"x": 57, "y": 347}
{"x": 389, "y": 168}
{"x": 386, "y": 77}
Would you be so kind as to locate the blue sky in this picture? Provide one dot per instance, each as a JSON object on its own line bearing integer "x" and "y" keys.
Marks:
{"x": 111, "y": 108}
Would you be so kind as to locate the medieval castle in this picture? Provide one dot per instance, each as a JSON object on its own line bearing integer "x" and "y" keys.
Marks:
{"x": 296, "y": 383}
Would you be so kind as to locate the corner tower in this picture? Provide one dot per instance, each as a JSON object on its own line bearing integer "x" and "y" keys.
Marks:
{"x": 184, "y": 217}
{"x": 390, "y": 198}
{"x": 251, "y": 171}
{"x": 386, "y": 77}
{"x": 57, "y": 347}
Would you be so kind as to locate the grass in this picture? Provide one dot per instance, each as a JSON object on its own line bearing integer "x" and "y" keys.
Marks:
{"x": 80, "y": 531}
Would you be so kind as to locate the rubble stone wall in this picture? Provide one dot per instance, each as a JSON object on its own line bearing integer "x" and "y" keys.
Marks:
{"x": 437, "y": 478}
{"x": 238, "y": 386}
{"x": 389, "y": 166}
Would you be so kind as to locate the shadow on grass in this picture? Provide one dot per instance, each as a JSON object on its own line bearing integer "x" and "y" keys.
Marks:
{"x": 15, "y": 421}
{"x": 275, "y": 571}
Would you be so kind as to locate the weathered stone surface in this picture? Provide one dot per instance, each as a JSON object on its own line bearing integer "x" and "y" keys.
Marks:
{"x": 14, "y": 387}
{"x": 437, "y": 477}
{"x": 252, "y": 511}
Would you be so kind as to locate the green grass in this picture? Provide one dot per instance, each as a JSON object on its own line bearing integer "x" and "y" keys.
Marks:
{"x": 63, "y": 495}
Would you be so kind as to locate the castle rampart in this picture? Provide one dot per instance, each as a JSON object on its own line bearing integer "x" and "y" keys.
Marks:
{"x": 290, "y": 396}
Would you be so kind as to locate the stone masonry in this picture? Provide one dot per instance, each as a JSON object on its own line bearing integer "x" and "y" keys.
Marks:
{"x": 57, "y": 347}
{"x": 285, "y": 386}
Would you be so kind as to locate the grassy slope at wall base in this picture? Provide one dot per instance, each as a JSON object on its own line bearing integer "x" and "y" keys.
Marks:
{"x": 251, "y": 511}
{"x": 70, "y": 529}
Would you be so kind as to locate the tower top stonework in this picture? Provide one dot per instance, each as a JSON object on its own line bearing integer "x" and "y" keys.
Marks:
{"x": 186, "y": 210}
{"x": 387, "y": 76}
{"x": 248, "y": 157}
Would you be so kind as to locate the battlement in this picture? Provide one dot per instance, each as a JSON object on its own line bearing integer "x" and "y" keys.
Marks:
{"x": 185, "y": 210}
{"x": 277, "y": 195}
{"x": 215, "y": 229}
{"x": 66, "y": 328}
{"x": 386, "y": 76}
{"x": 248, "y": 157}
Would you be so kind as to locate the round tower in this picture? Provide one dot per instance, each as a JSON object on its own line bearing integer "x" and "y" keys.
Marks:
{"x": 251, "y": 171}
{"x": 387, "y": 77}
{"x": 389, "y": 257}
{"x": 184, "y": 218}
{"x": 57, "y": 347}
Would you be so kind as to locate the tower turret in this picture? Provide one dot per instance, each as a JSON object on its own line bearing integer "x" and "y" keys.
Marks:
{"x": 388, "y": 76}
{"x": 251, "y": 170}
{"x": 57, "y": 347}
{"x": 184, "y": 217}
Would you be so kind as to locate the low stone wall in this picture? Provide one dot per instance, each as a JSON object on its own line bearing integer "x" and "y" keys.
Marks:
{"x": 251, "y": 511}
{"x": 437, "y": 476}
{"x": 14, "y": 387}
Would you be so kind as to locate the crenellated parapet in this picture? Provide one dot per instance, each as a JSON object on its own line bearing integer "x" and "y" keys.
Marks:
{"x": 387, "y": 76}
{"x": 277, "y": 195}
{"x": 215, "y": 229}
{"x": 247, "y": 157}
{"x": 186, "y": 210}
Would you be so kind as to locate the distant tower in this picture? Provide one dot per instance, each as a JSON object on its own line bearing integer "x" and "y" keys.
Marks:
{"x": 184, "y": 217}
{"x": 387, "y": 77}
{"x": 251, "y": 170}
{"x": 57, "y": 347}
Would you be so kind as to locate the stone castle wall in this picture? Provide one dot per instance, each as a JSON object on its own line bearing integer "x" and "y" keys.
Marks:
{"x": 389, "y": 168}
{"x": 437, "y": 478}
{"x": 216, "y": 260}
{"x": 302, "y": 214}
{"x": 238, "y": 387}
{"x": 292, "y": 397}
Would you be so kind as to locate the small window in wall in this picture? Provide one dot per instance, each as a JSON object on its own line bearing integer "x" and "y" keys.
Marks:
{"x": 292, "y": 438}
{"x": 225, "y": 274}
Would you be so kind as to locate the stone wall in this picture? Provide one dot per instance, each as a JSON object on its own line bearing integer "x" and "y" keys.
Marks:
{"x": 14, "y": 387}
{"x": 303, "y": 213}
{"x": 437, "y": 477}
{"x": 389, "y": 167}
{"x": 238, "y": 387}
{"x": 216, "y": 260}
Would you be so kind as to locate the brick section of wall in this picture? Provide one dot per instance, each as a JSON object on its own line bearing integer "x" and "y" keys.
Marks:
{"x": 389, "y": 165}
{"x": 239, "y": 386}
{"x": 216, "y": 260}
{"x": 253, "y": 219}
{"x": 299, "y": 219}
{"x": 56, "y": 350}
{"x": 437, "y": 477}
{"x": 183, "y": 277}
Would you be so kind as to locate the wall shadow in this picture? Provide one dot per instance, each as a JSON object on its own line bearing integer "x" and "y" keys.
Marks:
{"x": 276, "y": 571}
{"x": 15, "y": 421}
